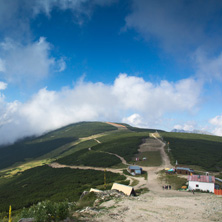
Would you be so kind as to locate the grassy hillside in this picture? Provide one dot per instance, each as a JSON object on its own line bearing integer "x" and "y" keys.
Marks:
{"x": 90, "y": 158}
{"x": 123, "y": 143}
{"x": 79, "y": 130}
{"x": 195, "y": 149}
{"x": 125, "y": 147}
{"x": 44, "y": 182}
{"x": 21, "y": 151}
{"x": 34, "y": 148}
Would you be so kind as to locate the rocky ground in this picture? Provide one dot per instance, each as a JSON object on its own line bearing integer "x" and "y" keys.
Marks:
{"x": 165, "y": 207}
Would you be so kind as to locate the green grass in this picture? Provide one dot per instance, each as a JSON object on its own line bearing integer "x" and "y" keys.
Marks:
{"x": 134, "y": 183}
{"x": 136, "y": 129}
{"x": 88, "y": 157}
{"x": 153, "y": 158}
{"x": 46, "y": 183}
{"x": 174, "y": 180}
{"x": 79, "y": 146}
{"x": 125, "y": 145}
{"x": 20, "y": 152}
{"x": 194, "y": 149}
{"x": 79, "y": 130}
{"x": 191, "y": 136}
{"x": 49, "y": 145}
{"x": 115, "y": 135}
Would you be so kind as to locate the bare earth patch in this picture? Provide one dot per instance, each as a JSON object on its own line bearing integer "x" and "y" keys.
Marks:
{"x": 169, "y": 206}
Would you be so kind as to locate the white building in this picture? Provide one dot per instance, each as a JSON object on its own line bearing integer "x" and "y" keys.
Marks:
{"x": 201, "y": 182}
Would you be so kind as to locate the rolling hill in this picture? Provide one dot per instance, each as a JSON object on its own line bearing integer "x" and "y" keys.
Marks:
{"x": 29, "y": 149}
{"x": 195, "y": 149}
{"x": 25, "y": 178}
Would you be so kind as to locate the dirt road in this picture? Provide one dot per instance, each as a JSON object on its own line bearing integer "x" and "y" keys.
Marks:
{"x": 167, "y": 207}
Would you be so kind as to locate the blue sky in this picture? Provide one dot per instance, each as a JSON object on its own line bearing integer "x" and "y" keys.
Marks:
{"x": 149, "y": 63}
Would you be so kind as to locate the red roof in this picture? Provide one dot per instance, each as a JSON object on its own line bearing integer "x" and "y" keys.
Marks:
{"x": 202, "y": 178}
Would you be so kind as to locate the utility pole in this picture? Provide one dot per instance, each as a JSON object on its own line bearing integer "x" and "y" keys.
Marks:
{"x": 105, "y": 179}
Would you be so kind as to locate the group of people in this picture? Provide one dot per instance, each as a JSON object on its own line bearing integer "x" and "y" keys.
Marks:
{"x": 167, "y": 187}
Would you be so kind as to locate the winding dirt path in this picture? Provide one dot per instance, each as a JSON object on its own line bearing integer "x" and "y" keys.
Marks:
{"x": 152, "y": 183}
{"x": 58, "y": 165}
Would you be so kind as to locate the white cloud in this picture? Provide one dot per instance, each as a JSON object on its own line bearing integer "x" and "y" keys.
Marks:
{"x": 134, "y": 93}
{"x": 3, "y": 85}
{"x": 61, "y": 65}
{"x": 217, "y": 123}
{"x": 130, "y": 96}
{"x": 187, "y": 127}
{"x": 134, "y": 120}
{"x": 26, "y": 63}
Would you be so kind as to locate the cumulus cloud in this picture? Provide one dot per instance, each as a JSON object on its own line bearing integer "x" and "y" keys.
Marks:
{"x": 208, "y": 68}
{"x": 134, "y": 120}
{"x": 178, "y": 25}
{"x": 187, "y": 126}
{"x": 128, "y": 96}
{"x": 217, "y": 123}
{"x": 3, "y": 85}
{"x": 25, "y": 63}
{"x": 137, "y": 94}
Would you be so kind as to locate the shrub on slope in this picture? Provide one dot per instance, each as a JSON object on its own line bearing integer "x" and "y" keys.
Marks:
{"x": 46, "y": 183}
{"x": 90, "y": 158}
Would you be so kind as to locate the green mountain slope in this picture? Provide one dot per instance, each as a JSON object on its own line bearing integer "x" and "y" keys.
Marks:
{"x": 195, "y": 149}
{"x": 46, "y": 183}
{"x": 99, "y": 140}
{"x": 33, "y": 148}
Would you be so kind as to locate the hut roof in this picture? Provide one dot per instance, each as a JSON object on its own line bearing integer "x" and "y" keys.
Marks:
{"x": 134, "y": 168}
{"x": 202, "y": 178}
{"x": 185, "y": 168}
{"x": 128, "y": 190}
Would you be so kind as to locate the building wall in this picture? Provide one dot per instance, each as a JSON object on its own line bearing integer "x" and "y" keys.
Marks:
{"x": 201, "y": 186}
{"x": 185, "y": 172}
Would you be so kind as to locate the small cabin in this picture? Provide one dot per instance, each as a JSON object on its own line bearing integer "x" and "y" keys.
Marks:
{"x": 201, "y": 182}
{"x": 135, "y": 170}
{"x": 184, "y": 170}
